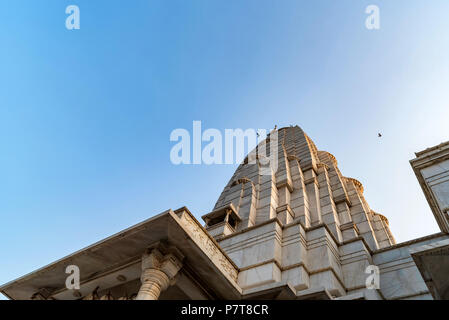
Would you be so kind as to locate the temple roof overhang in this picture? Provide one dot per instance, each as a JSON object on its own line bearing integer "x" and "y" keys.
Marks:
{"x": 101, "y": 263}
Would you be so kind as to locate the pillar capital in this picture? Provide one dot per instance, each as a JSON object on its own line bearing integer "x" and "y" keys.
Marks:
{"x": 158, "y": 271}
{"x": 171, "y": 265}
{"x": 152, "y": 259}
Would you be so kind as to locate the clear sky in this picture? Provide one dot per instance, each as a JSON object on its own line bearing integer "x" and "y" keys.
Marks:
{"x": 86, "y": 115}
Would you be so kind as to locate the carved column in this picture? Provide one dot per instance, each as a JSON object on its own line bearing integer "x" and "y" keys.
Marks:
{"x": 158, "y": 271}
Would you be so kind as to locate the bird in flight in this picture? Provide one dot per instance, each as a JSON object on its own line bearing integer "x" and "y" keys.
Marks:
{"x": 379, "y": 134}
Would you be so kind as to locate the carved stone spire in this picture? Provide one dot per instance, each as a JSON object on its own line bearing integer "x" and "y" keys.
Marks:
{"x": 307, "y": 187}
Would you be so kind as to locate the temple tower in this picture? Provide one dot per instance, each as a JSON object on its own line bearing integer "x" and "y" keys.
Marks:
{"x": 293, "y": 224}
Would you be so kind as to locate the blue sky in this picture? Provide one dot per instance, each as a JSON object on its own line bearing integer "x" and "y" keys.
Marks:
{"x": 86, "y": 115}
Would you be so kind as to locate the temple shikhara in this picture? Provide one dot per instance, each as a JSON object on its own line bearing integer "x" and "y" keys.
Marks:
{"x": 303, "y": 231}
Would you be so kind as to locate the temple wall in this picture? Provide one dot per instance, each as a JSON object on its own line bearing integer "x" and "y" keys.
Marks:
{"x": 313, "y": 228}
{"x": 399, "y": 275}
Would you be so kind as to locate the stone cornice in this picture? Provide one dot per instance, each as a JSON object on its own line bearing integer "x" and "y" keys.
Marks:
{"x": 381, "y": 216}
{"x": 410, "y": 242}
{"x": 331, "y": 156}
{"x": 432, "y": 150}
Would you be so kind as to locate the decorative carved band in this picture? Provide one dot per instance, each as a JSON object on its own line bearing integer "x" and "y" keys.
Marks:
{"x": 208, "y": 245}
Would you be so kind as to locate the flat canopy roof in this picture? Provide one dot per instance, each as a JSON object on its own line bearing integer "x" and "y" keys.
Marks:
{"x": 124, "y": 250}
{"x": 221, "y": 212}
